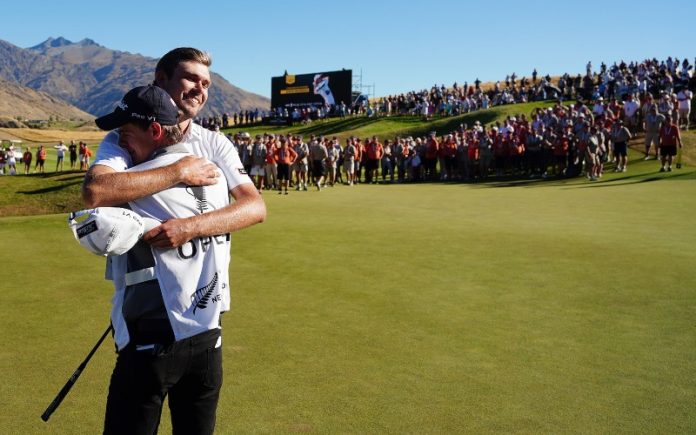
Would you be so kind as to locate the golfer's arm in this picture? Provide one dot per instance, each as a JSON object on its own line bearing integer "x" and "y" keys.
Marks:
{"x": 247, "y": 209}
{"x": 103, "y": 186}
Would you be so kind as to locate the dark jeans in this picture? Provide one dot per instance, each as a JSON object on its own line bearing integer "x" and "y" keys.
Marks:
{"x": 189, "y": 370}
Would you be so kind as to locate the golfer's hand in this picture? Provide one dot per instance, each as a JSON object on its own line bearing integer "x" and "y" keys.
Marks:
{"x": 197, "y": 171}
{"x": 171, "y": 234}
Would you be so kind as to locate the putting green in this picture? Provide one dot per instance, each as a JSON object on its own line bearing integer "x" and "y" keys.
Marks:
{"x": 562, "y": 307}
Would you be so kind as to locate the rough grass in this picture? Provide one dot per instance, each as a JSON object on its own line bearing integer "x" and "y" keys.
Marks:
{"x": 557, "y": 307}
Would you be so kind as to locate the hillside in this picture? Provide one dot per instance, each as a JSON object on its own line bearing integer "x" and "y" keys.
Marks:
{"x": 389, "y": 127}
{"x": 94, "y": 78}
{"x": 21, "y": 102}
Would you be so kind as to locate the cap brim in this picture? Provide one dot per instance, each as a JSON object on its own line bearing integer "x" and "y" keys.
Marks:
{"x": 112, "y": 121}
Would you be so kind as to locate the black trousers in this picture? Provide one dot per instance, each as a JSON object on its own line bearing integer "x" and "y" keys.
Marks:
{"x": 189, "y": 371}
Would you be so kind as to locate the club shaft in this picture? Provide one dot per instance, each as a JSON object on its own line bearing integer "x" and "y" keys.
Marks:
{"x": 68, "y": 385}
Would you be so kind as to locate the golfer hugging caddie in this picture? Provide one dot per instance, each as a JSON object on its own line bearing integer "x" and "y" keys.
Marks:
{"x": 173, "y": 285}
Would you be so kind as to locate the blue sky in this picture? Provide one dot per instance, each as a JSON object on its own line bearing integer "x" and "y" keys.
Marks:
{"x": 399, "y": 46}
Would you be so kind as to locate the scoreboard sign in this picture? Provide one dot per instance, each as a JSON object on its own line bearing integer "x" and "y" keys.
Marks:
{"x": 316, "y": 89}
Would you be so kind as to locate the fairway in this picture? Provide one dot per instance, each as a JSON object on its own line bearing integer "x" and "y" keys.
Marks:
{"x": 546, "y": 307}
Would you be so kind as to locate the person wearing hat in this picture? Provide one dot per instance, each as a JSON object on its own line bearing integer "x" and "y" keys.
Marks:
{"x": 183, "y": 73}
{"x": 168, "y": 301}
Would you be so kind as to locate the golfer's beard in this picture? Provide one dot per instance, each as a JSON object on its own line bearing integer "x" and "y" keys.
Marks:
{"x": 190, "y": 112}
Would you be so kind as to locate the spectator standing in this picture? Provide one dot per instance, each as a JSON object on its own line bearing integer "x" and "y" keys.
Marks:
{"x": 630, "y": 111}
{"x": 87, "y": 156}
{"x": 670, "y": 138}
{"x": 83, "y": 156}
{"x": 652, "y": 125}
{"x": 401, "y": 151}
{"x": 485, "y": 148}
{"x": 11, "y": 161}
{"x": 285, "y": 156}
{"x": 360, "y": 156}
{"x": 333, "y": 154}
{"x": 684, "y": 97}
{"x": 258, "y": 162}
{"x": 592, "y": 151}
{"x": 388, "y": 162}
{"x": 375, "y": 151}
{"x": 271, "y": 167}
{"x": 60, "y": 154}
{"x": 40, "y": 159}
{"x": 432, "y": 146}
{"x": 72, "y": 150}
{"x": 301, "y": 164}
{"x": 349, "y": 157}
{"x": 26, "y": 158}
{"x": 449, "y": 157}
{"x": 318, "y": 154}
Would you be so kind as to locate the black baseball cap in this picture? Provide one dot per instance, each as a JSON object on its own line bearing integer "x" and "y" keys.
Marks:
{"x": 144, "y": 103}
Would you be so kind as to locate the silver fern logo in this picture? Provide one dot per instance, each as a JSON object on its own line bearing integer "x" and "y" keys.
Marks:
{"x": 198, "y": 192}
{"x": 201, "y": 297}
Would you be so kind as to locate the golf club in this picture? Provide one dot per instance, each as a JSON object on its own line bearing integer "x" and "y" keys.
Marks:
{"x": 68, "y": 385}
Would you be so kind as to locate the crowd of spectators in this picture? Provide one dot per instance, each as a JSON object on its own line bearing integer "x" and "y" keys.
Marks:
{"x": 609, "y": 82}
{"x": 651, "y": 99}
{"x": 613, "y": 105}
{"x": 11, "y": 156}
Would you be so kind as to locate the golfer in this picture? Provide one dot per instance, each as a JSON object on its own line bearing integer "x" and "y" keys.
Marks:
{"x": 166, "y": 312}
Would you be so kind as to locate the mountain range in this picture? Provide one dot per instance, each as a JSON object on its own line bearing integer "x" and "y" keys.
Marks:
{"x": 93, "y": 79}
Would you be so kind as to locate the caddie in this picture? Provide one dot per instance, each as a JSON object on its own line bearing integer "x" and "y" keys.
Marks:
{"x": 171, "y": 287}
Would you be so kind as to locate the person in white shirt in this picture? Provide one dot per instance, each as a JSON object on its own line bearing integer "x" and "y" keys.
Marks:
{"x": 60, "y": 154}
{"x": 684, "y": 97}
{"x": 183, "y": 73}
{"x": 630, "y": 109}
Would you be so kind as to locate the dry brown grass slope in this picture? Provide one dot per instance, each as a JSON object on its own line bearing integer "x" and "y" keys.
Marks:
{"x": 26, "y": 103}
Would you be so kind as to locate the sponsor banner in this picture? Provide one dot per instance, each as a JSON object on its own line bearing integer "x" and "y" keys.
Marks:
{"x": 315, "y": 89}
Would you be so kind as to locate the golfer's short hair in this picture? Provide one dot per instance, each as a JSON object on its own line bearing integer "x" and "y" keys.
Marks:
{"x": 171, "y": 60}
{"x": 172, "y": 133}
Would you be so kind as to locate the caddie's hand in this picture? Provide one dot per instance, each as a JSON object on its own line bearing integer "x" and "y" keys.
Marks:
{"x": 171, "y": 234}
{"x": 197, "y": 171}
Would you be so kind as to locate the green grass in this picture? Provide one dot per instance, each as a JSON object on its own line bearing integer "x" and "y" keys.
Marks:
{"x": 545, "y": 307}
{"x": 514, "y": 305}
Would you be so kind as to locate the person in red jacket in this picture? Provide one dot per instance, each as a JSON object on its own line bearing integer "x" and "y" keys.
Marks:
{"x": 285, "y": 156}
{"x": 432, "y": 146}
{"x": 669, "y": 140}
{"x": 271, "y": 168}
